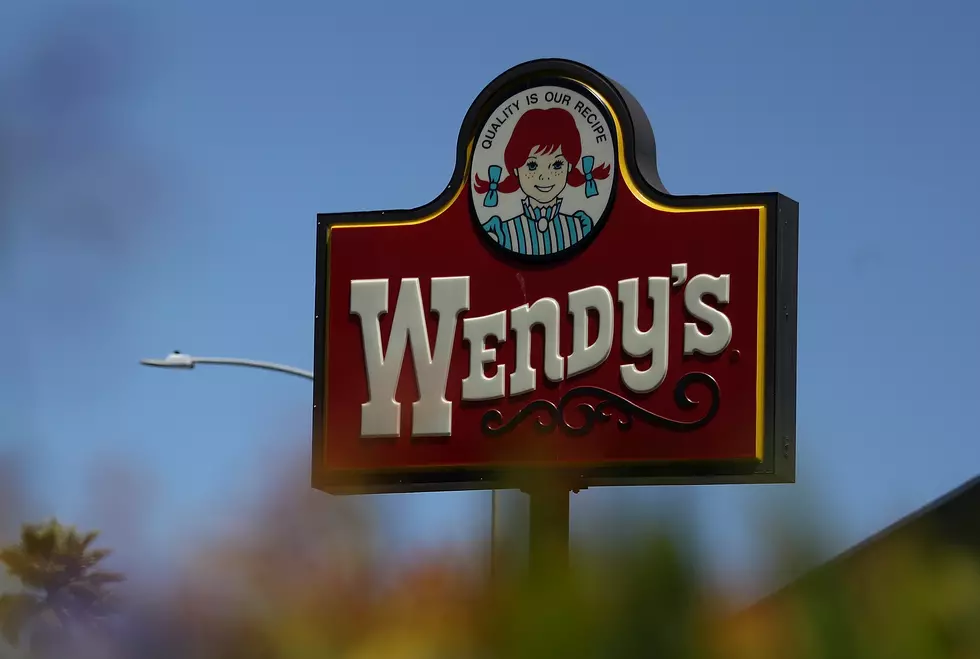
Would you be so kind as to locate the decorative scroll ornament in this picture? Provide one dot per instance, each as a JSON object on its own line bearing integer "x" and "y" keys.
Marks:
{"x": 549, "y": 416}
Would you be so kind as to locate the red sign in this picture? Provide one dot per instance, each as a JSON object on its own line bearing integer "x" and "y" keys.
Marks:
{"x": 556, "y": 309}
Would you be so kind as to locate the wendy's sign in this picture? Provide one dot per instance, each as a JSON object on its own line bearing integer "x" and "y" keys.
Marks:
{"x": 555, "y": 309}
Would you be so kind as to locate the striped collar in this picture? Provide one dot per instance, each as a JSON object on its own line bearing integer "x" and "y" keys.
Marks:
{"x": 538, "y": 213}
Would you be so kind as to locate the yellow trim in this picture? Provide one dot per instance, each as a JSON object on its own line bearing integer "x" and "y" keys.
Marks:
{"x": 760, "y": 348}
{"x": 631, "y": 184}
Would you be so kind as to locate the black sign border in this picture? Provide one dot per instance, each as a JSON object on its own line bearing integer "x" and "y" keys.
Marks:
{"x": 779, "y": 448}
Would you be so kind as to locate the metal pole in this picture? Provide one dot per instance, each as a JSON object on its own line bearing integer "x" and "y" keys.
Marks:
{"x": 548, "y": 546}
{"x": 493, "y": 534}
{"x": 254, "y": 364}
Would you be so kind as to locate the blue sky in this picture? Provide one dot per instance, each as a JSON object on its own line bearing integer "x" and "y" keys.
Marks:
{"x": 262, "y": 118}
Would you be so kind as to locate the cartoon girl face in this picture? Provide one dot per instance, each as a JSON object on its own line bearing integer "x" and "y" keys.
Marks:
{"x": 553, "y": 162}
{"x": 542, "y": 157}
{"x": 544, "y": 175}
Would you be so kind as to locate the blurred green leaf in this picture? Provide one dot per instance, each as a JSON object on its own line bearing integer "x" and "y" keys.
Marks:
{"x": 62, "y": 586}
{"x": 15, "y": 612}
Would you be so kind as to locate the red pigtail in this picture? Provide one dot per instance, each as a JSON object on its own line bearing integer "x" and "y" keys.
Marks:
{"x": 506, "y": 186}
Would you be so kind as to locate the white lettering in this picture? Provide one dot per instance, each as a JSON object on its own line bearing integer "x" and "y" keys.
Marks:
{"x": 678, "y": 272}
{"x": 720, "y": 336}
{"x": 477, "y": 386}
{"x": 450, "y": 297}
{"x": 585, "y": 357}
{"x": 652, "y": 342}
{"x": 544, "y": 312}
{"x": 432, "y": 413}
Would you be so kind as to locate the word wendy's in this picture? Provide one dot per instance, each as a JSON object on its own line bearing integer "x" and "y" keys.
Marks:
{"x": 450, "y": 297}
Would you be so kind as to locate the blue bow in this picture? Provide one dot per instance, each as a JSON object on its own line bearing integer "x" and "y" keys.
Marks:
{"x": 591, "y": 189}
{"x": 494, "y": 175}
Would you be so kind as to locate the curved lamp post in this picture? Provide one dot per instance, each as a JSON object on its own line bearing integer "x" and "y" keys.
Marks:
{"x": 177, "y": 359}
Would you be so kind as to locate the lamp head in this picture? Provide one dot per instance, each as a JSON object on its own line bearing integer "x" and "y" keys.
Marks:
{"x": 176, "y": 359}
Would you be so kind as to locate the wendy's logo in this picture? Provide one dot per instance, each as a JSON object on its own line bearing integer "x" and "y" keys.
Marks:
{"x": 543, "y": 172}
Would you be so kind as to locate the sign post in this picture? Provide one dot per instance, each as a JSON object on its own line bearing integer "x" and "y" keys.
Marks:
{"x": 555, "y": 319}
{"x": 548, "y": 528}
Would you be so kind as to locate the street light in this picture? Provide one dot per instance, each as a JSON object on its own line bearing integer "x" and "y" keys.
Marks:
{"x": 177, "y": 359}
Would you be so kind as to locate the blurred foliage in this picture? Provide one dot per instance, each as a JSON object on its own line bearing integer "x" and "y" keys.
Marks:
{"x": 308, "y": 575}
{"x": 274, "y": 595}
{"x": 63, "y": 591}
